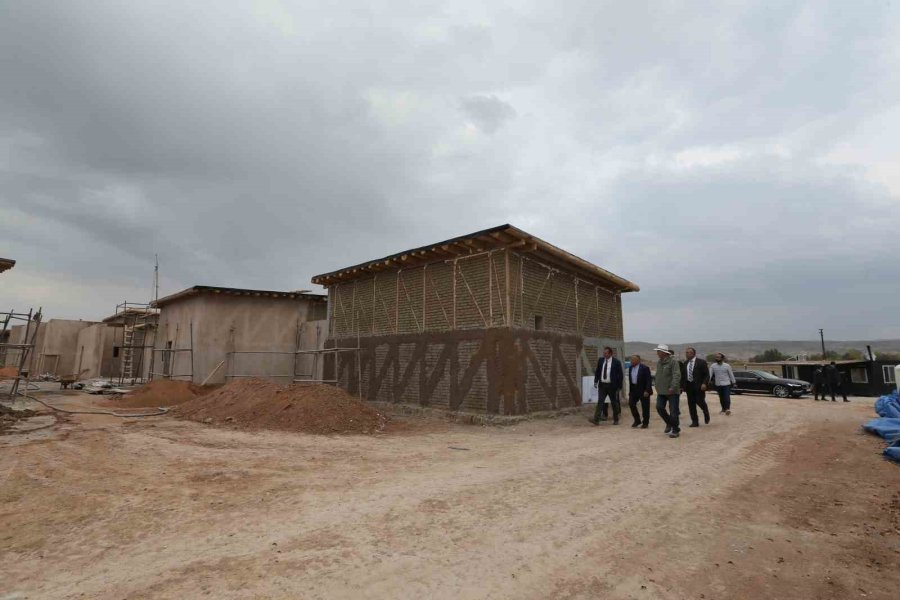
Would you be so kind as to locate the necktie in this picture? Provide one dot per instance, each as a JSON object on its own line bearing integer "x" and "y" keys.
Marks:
{"x": 606, "y": 369}
{"x": 691, "y": 371}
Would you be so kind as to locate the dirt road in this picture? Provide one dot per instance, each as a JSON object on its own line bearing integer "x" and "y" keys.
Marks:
{"x": 784, "y": 499}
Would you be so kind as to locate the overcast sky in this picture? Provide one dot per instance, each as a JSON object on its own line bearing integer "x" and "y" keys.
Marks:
{"x": 738, "y": 160}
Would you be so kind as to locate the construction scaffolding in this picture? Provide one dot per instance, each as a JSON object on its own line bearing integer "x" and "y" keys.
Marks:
{"x": 138, "y": 323}
{"x": 170, "y": 354}
{"x": 297, "y": 375}
{"x": 23, "y": 351}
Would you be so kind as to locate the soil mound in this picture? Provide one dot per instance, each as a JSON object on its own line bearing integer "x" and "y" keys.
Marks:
{"x": 159, "y": 392}
{"x": 261, "y": 404}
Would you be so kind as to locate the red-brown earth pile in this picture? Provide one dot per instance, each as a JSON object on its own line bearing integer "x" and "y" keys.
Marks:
{"x": 261, "y": 404}
{"x": 159, "y": 392}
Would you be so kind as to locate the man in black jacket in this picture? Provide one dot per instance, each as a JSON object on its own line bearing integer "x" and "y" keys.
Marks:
{"x": 608, "y": 381}
{"x": 694, "y": 380}
{"x": 834, "y": 381}
{"x": 819, "y": 383}
{"x": 639, "y": 391}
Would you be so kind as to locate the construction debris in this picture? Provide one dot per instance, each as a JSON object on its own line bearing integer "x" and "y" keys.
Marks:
{"x": 160, "y": 392}
{"x": 255, "y": 403}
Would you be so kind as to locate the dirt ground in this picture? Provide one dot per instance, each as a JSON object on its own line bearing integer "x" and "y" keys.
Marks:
{"x": 784, "y": 499}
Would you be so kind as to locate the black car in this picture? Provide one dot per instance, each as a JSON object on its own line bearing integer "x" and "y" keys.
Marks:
{"x": 762, "y": 381}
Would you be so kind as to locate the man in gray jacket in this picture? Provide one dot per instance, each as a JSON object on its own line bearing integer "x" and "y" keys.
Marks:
{"x": 722, "y": 377}
{"x": 668, "y": 388}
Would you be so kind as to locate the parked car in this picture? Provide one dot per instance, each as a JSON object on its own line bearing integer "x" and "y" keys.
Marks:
{"x": 765, "y": 382}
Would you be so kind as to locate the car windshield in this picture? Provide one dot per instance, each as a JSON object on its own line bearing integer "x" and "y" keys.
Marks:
{"x": 765, "y": 374}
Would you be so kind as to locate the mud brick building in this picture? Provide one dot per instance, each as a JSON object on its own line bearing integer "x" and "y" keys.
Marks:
{"x": 215, "y": 334}
{"x": 496, "y": 322}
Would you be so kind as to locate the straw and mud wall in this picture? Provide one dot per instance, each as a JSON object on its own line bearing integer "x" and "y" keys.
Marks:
{"x": 496, "y": 333}
{"x": 497, "y": 289}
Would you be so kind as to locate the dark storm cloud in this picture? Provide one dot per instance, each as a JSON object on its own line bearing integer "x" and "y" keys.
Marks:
{"x": 710, "y": 154}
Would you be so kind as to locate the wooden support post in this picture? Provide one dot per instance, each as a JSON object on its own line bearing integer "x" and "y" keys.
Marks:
{"x": 397, "y": 304}
{"x": 454, "y": 294}
{"x": 490, "y": 287}
{"x": 353, "y": 324}
{"x": 522, "y": 291}
{"x": 507, "y": 311}
{"x": 577, "y": 325}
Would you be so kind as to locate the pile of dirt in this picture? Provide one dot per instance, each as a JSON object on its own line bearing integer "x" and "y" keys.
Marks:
{"x": 8, "y": 372}
{"x": 260, "y": 404}
{"x": 159, "y": 392}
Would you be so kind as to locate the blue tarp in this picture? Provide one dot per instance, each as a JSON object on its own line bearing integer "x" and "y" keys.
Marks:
{"x": 888, "y": 426}
{"x": 888, "y": 406}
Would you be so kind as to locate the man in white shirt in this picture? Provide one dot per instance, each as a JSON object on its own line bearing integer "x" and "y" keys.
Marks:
{"x": 608, "y": 379}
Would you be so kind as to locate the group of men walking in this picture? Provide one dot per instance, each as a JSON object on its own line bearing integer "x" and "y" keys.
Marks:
{"x": 828, "y": 379}
{"x": 693, "y": 376}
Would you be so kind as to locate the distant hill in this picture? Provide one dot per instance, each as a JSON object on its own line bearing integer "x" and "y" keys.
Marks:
{"x": 744, "y": 349}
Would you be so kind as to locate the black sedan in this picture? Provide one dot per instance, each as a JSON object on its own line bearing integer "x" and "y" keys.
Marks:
{"x": 764, "y": 382}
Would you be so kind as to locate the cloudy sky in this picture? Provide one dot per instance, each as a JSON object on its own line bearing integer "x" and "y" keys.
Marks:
{"x": 738, "y": 160}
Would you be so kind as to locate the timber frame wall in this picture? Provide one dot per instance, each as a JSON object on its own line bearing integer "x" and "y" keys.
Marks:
{"x": 496, "y": 288}
{"x": 493, "y": 332}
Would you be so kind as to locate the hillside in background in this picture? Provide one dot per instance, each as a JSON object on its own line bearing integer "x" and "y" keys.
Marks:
{"x": 744, "y": 349}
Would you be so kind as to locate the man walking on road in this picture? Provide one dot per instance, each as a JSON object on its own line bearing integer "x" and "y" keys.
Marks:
{"x": 833, "y": 379}
{"x": 668, "y": 388}
{"x": 608, "y": 381}
{"x": 721, "y": 376}
{"x": 819, "y": 383}
{"x": 694, "y": 379}
{"x": 639, "y": 391}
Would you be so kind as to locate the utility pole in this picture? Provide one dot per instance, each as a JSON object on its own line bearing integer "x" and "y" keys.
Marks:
{"x": 822, "y": 337}
{"x": 156, "y": 279}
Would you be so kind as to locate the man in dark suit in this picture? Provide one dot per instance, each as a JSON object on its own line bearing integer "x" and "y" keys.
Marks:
{"x": 639, "y": 391}
{"x": 834, "y": 380}
{"x": 608, "y": 381}
{"x": 694, "y": 380}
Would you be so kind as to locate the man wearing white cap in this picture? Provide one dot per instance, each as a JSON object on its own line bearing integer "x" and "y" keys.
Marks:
{"x": 668, "y": 386}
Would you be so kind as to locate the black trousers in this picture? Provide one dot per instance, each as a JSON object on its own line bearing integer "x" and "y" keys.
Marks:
{"x": 670, "y": 417}
{"x": 835, "y": 387}
{"x": 604, "y": 390}
{"x": 818, "y": 390}
{"x": 645, "y": 408}
{"x": 697, "y": 397}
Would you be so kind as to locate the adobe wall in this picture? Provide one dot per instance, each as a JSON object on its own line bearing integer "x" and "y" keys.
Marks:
{"x": 225, "y": 323}
{"x": 56, "y": 349}
{"x": 94, "y": 352}
{"x": 503, "y": 371}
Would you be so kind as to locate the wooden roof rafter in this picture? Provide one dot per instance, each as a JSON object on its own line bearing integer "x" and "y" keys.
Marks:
{"x": 489, "y": 240}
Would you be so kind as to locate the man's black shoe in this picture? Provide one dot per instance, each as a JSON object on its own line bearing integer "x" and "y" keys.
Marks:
{"x": 706, "y": 418}
{"x": 593, "y": 422}
{"x": 694, "y": 425}
{"x": 636, "y": 424}
{"x": 668, "y": 430}
{"x": 645, "y": 426}
{"x": 616, "y": 422}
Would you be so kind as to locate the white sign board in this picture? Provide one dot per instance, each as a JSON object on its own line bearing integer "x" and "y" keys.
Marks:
{"x": 588, "y": 391}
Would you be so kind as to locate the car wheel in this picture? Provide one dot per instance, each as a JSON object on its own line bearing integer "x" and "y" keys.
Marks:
{"x": 781, "y": 391}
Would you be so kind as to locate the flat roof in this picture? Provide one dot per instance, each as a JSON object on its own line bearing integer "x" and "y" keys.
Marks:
{"x": 227, "y": 291}
{"x": 132, "y": 312}
{"x": 495, "y": 238}
{"x": 6, "y": 264}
